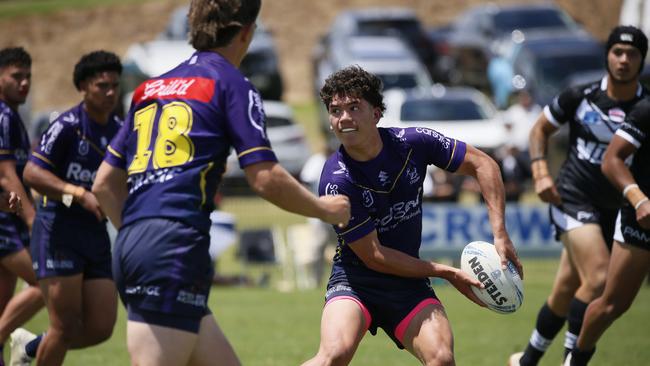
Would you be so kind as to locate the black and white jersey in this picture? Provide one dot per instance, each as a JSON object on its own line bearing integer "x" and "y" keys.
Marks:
{"x": 593, "y": 119}
{"x": 636, "y": 130}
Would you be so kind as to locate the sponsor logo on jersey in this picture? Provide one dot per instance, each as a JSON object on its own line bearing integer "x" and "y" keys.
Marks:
{"x": 47, "y": 141}
{"x": 83, "y": 148}
{"x": 195, "y": 88}
{"x": 398, "y": 213}
{"x": 342, "y": 169}
{"x": 331, "y": 189}
{"x": 256, "y": 114}
{"x": 591, "y": 117}
{"x": 446, "y": 142}
{"x": 401, "y": 133}
{"x": 616, "y": 115}
{"x": 384, "y": 179}
{"x": 136, "y": 181}
{"x": 368, "y": 200}
{"x": 412, "y": 174}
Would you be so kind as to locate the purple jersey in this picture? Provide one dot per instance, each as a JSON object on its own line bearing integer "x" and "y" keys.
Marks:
{"x": 14, "y": 145}
{"x": 178, "y": 134}
{"x": 14, "y": 141}
{"x": 72, "y": 148}
{"x": 386, "y": 192}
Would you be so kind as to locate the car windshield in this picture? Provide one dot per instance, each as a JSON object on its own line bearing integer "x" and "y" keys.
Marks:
{"x": 551, "y": 72}
{"x": 398, "y": 81}
{"x": 507, "y": 21}
{"x": 441, "y": 110}
{"x": 277, "y": 122}
{"x": 408, "y": 28}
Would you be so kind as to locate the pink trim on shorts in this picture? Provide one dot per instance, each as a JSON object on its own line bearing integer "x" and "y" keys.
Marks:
{"x": 364, "y": 310}
{"x": 401, "y": 327}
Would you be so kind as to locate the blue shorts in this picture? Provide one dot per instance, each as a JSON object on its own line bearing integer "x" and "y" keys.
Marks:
{"x": 69, "y": 245}
{"x": 629, "y": 231}
{"x": 14, "y": 234}
{"x": 384, "y": 302}
{"x": 163, "y": 273}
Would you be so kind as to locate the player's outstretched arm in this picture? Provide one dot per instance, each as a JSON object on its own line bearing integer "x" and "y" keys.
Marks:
{"x": 486, "y": 171}
{"x": 111, "y": 191}
{"x": 273, "y": 183}
{"x": 10, "y": 182}
{"x": 384, "y": 259}
{"x": 615, "y": 169}
{"x": 48, "y": 184}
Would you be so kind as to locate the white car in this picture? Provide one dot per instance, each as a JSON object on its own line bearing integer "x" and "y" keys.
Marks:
{"x": 463, "y": 113}
{"x": 288, "y": 141}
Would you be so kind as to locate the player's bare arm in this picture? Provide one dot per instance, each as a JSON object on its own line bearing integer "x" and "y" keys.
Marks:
{"x": 615, "y": 169}
{"x": 10, "y": 182}
{"x": 111, "y": 191}
{"x": 48, "y": 184}
{"x": 538, "y": 144}
{"x": 486, "y": 171}
{"x": 273, "y": 183}
{"x": 384, "y": 259}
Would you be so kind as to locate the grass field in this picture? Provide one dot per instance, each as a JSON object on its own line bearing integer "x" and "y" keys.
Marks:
{"x": 273, "y": 328}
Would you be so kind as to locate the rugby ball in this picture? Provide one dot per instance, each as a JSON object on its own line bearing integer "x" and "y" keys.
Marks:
{"x": 504, "y": 290}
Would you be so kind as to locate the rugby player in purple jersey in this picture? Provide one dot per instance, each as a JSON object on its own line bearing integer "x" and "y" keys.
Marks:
{"x": 161, "y": 172}
{"x": 630, "y": 260}
{"x": 377, "y": 279}
{"x": 15, "y": 81}
{"x": 70, "y": 248}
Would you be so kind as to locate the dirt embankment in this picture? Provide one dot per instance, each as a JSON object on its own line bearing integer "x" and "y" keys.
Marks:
{"x": 57, "y": 41}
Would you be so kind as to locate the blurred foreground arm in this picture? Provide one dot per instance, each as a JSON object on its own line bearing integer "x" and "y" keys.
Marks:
{"x": 111, "y": 191}
{"x": 273, "y": 183}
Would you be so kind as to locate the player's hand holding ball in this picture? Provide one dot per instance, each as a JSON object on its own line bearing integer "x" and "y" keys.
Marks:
{"x": 503, "y": 290}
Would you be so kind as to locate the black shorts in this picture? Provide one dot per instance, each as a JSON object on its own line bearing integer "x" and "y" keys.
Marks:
{"x": 65, "y": 246}
{"x": 571, "y": 215}
{"x": 163, "y": 273}
{"x": 629, "y": 231}
{"x": 384, "y": 304}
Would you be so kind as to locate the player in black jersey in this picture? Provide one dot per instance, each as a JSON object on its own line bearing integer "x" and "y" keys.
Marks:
{"x": 630, "y": 259}
{"x": 583, "y": 202}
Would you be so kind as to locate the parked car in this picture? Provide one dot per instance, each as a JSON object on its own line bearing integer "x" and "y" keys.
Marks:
{"x": 287, "y": 138}
{"x": 395, "y": 21}
{"x": 388, "y": 57}
{"x": 149, "y": 59}
{"x": 542, "y": 62}
{"x": 472, "y": 35}
{"x": 460, "y": 112}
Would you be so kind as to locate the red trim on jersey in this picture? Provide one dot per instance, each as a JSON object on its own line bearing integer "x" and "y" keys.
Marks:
{"x": 195, "y": 88}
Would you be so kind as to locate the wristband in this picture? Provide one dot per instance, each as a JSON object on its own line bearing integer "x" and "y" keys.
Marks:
{"x": 538, "y": 158}
{"x": 638, "y": 204}
{"x": 629, "y": 187}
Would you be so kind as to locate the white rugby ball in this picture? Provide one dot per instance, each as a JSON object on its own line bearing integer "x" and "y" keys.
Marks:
{"x": 504, "y": 290}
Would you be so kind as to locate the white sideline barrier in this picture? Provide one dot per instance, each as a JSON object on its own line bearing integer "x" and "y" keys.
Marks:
{"x": 448, "y": 227}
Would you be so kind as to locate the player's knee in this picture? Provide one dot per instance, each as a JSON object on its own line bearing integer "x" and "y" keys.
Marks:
{"x": 338, "y": 353}
{"x": 65, "y": 329}
{"x": 615, "y": 309}
{"x": 439, "y": 357}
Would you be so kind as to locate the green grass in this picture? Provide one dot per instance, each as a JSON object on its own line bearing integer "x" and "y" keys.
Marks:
{"x": 15, "y": 8}
{"x": 269, "y": 328}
